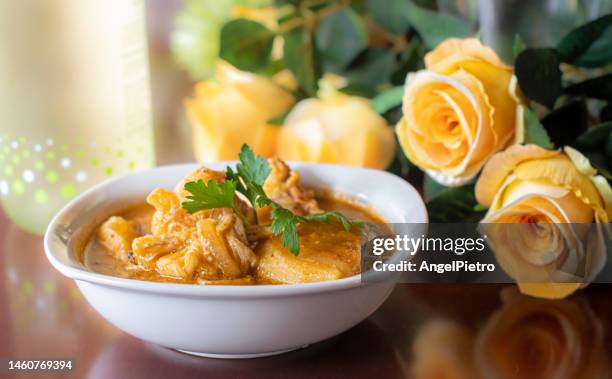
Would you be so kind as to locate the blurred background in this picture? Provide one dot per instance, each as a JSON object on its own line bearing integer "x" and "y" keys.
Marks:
{"x": 539, "y": 23}
{"x": 92, "y": 89}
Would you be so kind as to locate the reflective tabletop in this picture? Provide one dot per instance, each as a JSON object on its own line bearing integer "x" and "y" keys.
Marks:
{"x": 421, "y": 331}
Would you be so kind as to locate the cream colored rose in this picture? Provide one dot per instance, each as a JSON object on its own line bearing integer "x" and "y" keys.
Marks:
{"x": 458, "y": 111}
{"x": 232, "y": 110}
{"x": 535, "y": 338}
{"x": 547, "y": 212}
{"x": 338, "y": 129}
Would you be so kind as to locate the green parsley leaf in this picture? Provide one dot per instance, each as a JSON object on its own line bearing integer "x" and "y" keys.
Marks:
{"x": 250, "y": 175}
{"x": 252, "y": 169}
{"x": 254, "y": 192}
{"x": 209, "y": 195}
{"x": 328, "y": 216}
{"x": 285, "y": 222}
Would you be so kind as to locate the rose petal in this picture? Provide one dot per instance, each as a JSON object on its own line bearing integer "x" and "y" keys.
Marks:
{"x": 455, "y": 49}
{"x": 561, "y": 171}
{"x": 496, "y": 83}
{"x": 501, "y": 165}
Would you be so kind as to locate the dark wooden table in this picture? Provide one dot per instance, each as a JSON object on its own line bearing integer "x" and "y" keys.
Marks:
{"x": 43, "y": 315}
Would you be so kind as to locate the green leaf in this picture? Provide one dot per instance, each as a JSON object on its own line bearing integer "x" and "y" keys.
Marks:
{"x": 480, "y": 208}
{"x": 564, "y": 124}
{"x": 357, "y": 89}
{"x": 251, "y": 168}
{"x": 246, "y": 44}
{"x": 253, "y": 3}
{"x": 599, "y": 53}
{"x": 250, "y": 176}
{"x": 595, "y": 137}
{"x": 389, "y": 15}
{"x": 578, "y": 41}
{"x": 456, "y": 204}
{"x": 340, "y": 37}
{"x": 327, "y": 217}
{"x": 431, "y": 188}
{"x": 411, "y": 59}
{"x": 302, "y": 59}
{"x": 605, "y": 114}
{"x": 427, "y": 4}
{"x": 208, "y": 196}
{"x": 596, "y": 88}
{"x": 280, "y": 3}
{"x": 400, "y": 165}
{"x": 517, "y": 46}
{"x": 272, "y": 68}
{"x": 283, "y": 221}
{"x": 372, "y": 67}
{"x": 538, "y": 74}
{"x": 434, "y": 27}
{"x": 388, "y": 99}
{"x": 600, "y": 161}
{"x": 534, "y": 131}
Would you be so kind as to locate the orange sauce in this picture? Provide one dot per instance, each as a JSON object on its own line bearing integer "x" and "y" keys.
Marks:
{"x": 317, "y": 240}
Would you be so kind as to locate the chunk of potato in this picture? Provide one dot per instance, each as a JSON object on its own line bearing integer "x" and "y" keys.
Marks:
{"x": 278, "y": 265}
{"x": 116, "y": 235}
{"x": 331, "y": 244}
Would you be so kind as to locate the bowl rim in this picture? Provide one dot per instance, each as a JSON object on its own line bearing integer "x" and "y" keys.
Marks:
{"x": 197, "y": 290}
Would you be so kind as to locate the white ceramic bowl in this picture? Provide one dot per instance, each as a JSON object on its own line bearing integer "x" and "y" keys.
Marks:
{"x": 227, "y": 321}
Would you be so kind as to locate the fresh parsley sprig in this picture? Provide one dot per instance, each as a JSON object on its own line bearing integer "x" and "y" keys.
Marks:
{"x": 251, "y": 173}
{"x": 211, "y": 195}
{"x": 248, "y": 179}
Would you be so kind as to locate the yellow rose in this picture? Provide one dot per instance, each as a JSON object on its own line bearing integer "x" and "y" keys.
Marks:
{"x": 535, "y": 338}
{"x": 556, "y": 206}
{"x": 338, "y": 129}
{"x": 232, "y": 110}
{"x": 459, "y": 111}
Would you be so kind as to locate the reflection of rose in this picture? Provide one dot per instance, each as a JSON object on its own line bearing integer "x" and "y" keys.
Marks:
{"x": 550, "y": 198}
{"x": 232, "y": 110}
{"x": 458, "y": 111}
{"x": 338, "y": 129}
{"x": 534, "y": 338}
{"x": 443, "y": 349}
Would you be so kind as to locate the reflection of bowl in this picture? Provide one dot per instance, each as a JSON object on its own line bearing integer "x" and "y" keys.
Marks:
{"x": 227, "y": 321}
{"x": 362, "y": 352}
